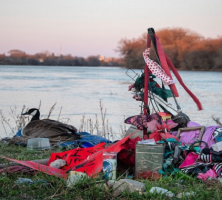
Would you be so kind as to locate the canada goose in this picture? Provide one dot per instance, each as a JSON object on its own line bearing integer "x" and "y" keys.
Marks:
{"x": 46, "y": 128}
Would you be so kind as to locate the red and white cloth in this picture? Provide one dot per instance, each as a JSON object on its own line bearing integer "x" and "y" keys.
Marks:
{"x": 156, "y": 69}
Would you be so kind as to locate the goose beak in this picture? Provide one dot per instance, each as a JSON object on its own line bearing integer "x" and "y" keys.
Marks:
{"x": 25, "y": 113}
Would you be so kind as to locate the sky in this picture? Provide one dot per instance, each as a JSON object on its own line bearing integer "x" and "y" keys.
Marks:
{"x": 94, "y": 27}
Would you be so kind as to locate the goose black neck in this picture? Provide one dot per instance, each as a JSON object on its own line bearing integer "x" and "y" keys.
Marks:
{"x": 36, "y": 116}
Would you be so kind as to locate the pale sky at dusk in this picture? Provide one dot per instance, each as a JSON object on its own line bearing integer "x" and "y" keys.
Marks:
{"x": 94, "y": 27}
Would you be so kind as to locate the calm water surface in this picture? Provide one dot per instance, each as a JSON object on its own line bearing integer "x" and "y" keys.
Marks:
{"x": 78, "y": 90}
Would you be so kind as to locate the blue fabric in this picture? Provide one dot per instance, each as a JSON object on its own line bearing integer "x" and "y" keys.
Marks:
{"x": 82, "y": 133}
{"x": 19, "y": 133}
{"x": 74, "y": 144}
{"x": 94, "y": 139}
{"x": 86, "y": 140}
{"x": 218, "y": 138}
{"x": 86, "y": 144}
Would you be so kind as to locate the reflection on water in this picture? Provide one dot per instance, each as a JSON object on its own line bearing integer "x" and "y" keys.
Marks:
{"x": 78, "y": 90}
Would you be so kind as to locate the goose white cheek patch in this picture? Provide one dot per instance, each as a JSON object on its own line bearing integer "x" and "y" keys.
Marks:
{"x": 33, "y": 113}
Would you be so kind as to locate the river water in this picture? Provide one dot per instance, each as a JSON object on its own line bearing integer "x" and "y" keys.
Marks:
{"x": 79, "y": 91}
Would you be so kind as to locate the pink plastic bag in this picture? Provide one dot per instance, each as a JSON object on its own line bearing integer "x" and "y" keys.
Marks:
{"x": 189, "y": 160}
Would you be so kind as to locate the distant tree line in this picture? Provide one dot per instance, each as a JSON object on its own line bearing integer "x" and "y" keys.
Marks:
{"x": 186, "y": 49}
{"x": 18, "y": 57}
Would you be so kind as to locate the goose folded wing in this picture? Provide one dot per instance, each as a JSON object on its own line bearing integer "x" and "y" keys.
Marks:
{"x": 48, "y": 128}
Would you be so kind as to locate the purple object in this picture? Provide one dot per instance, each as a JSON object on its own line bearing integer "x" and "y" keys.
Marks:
{"x": 208, "y": 136}
{"x": 190, "y": 136}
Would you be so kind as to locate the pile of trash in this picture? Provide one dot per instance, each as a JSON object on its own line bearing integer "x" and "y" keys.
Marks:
{"x": 158, "y": 144}
{"x": 169, "y": 141}
{"x": 195, "y": 150}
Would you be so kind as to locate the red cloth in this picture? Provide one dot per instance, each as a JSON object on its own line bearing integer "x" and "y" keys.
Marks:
{"x": 165, "y": 62}
{"x": 155, "y": 135}
{"x": 75, "y": 156}
{"x": 39, "y": 167}
{"x": 196, "y": 100}
{"x": 91, "y": 165}
{"x": 127, "y": 154}
{"x": 94, "y": 163}
{"x": 16, "y": 169}
{"x": 160, "y": 130}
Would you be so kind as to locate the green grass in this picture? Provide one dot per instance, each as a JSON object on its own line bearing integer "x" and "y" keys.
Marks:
{"x": 91, "y": 188}
{"x": 21, "y": 153}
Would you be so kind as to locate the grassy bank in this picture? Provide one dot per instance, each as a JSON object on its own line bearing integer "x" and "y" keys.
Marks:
{"x": 91, "y": 188}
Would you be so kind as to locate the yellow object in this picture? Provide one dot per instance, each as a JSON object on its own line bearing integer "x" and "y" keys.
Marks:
{"x": 164, "y": 115}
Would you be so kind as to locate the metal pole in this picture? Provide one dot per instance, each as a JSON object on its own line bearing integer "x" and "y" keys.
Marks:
{"x": 146, "y": 86}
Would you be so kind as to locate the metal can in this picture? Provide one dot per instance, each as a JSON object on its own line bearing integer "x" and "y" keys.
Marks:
{"x": 109, "y": 165}
{"x": 148, "y": 160}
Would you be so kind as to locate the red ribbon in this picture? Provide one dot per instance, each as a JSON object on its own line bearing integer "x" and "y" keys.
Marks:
{"x": 165, "y": 62}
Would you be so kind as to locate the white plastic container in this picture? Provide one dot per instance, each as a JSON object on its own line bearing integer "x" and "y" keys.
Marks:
{"x": 38, "y": 144}
{"x": 109, "y": 165}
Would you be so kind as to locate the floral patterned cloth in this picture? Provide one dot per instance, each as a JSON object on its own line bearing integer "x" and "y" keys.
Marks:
{"x": 140, "y": 121}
